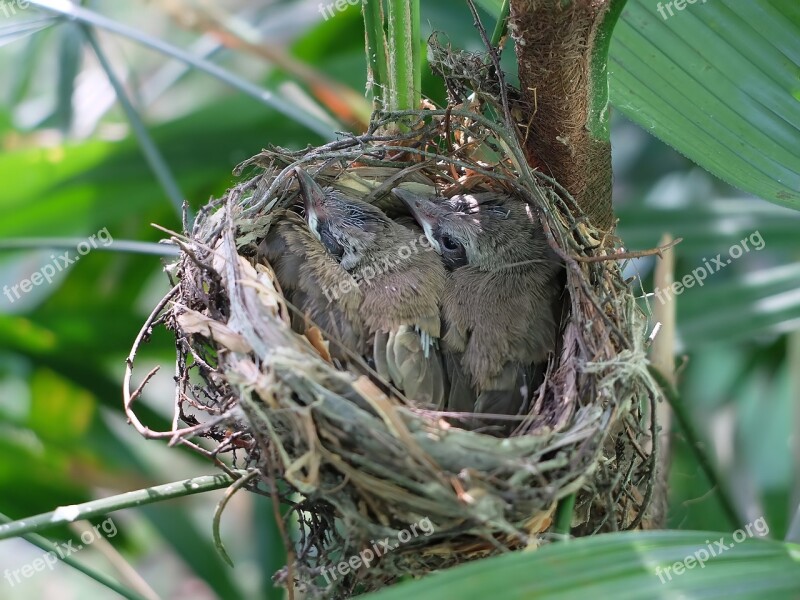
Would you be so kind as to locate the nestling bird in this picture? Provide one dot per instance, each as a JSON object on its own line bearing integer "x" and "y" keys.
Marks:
{"x": 502, "y": 300}
{"x": 370, "y": 282}
{"x": 304, "y": 270}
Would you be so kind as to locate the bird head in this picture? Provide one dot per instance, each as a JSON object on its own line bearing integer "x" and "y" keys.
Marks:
{"x": 485, "y": 230}
{"x": 348, "y": 228}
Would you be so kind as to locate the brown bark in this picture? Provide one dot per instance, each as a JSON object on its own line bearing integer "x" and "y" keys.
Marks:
{"x": 555, "y": 40}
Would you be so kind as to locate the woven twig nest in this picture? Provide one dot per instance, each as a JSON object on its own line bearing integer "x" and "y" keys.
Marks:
{"x": 358, "y": 466}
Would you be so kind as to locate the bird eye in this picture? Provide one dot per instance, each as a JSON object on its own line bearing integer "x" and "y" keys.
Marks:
{"x": 454, "y": 255}
{"x": 333, "y": 247}
{"x": 450, "y": 244}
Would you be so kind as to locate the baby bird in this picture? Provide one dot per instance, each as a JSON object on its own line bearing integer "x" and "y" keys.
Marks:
{"x": 305, "y": 270}
{"x": 370, "y": 282}
{"x": 502, "y": 300}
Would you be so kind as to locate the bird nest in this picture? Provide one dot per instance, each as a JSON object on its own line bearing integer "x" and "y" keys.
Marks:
{"x": 371, "y": 486}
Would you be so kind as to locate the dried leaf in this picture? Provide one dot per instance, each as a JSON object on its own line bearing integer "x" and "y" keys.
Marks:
{"x": 192, "y": 321}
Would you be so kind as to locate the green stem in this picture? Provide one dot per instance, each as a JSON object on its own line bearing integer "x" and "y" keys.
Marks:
{"x": 215, "y": 524}
{"x": 502, "y": 23}
{"x": 375, "y": 41}
{"x": 693, "y": 439}
{"x": 103, "y": 506}
{"x": 54, "y": 550}
{"x": 563, "y": 519}
{"x": 403, "y": 49}
{"x": 598, "y": 102}
{"x": 419, "y": 51}
{"x": 126, "y": 246}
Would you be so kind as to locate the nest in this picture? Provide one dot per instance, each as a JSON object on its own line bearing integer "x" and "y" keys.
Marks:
{"x": 355, "y": 467}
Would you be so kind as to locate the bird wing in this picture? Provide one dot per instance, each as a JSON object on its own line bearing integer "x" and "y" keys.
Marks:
{"x": 504, "y": 393}
{"x": 412, "y": 362}
{"x": 507, "y": 393}
{"x": 461, "y": 397}
{"x": 312, "y": 281}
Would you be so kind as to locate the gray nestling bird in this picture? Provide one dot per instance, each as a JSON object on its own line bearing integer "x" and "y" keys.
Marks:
{"x": 502, "y": 301}
{"x": 387, "y": 272}
{"x": 305, "y": 270}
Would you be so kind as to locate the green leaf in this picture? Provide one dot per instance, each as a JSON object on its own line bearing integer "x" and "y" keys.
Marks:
{"x": 60, "y": 411}
{"x": 70, "y": 53}
{"x": 720, "y": 82}
{"x": 78, "y": 189}
{"x": 741, "y": 307}
{"x": 623, "y": 565}
{"x": 716, "y": 223}
{"x": 193, "y": 545}
{"x": 12, "y": 30}
{"x": 26, "y": 62}
{"x": 270, "y": 552}
{"x": 96, "y": 20}
{"x": 493, "y": 7}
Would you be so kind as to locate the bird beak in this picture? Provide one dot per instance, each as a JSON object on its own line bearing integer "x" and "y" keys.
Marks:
{"x": 313, "y": 198}
{"x": 312, "y": 193}
{"x": 424, "y": 212}
{"x": 421, "y": 208}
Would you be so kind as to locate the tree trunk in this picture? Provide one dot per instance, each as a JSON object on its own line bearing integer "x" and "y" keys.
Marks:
{"x": 562, "y": 49}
